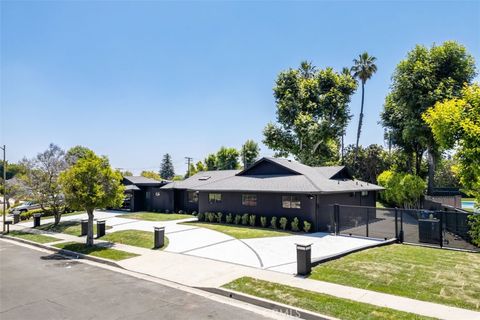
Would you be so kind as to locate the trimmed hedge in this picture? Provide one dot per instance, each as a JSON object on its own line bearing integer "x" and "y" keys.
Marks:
{"x": 246, "y": 219}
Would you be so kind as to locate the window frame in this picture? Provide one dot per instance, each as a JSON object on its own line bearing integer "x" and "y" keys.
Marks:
{"x": 194, "y": 198}
{"x": 217, "y": 198}
{"x": 291, "y": 202}
{"x": 249, "y": 202}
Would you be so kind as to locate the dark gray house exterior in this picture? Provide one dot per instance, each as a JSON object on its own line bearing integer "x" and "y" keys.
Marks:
{"x": 270, "y": 187}
{"x": 142, "y": 194}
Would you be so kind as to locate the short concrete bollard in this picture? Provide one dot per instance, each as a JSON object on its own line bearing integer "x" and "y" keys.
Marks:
{"x": 100, "y": 228}
{"x": 159, "y": 233}
{"x": 84, "y": 224}
{"x": 16, "y": 217}
{"x": 304, "y": 259}
{"x": 36, "y": 220}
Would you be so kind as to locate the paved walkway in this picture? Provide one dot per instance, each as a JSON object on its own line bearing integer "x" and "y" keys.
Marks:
{"x": 197, "y": 271}
{"x": 272, "y": 253}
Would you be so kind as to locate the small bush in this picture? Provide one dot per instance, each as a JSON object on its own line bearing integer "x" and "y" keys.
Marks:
{"x": 306, "y": 226}
{"x": 201, "y": 216}
{"x": 474, "y": 232}
{"x": 194, "y": 213}
{"x": 211, "y": 216}
{"x": 238, "y": 218}
{"x": 263, "y": 222}
{"x": 252, "y": 220}
{"x": 229, "y": 218}
{"x": 283, "y": 223}
{"x": 28, "y": 214}
{"x": 294, "y": 225}
{"x": 273, "y": 223}
{"x": 219, "y": 217}
{"x": 245, "y": 219}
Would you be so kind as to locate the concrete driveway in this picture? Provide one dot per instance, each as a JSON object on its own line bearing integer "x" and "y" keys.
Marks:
{"x": 273, "y": 253}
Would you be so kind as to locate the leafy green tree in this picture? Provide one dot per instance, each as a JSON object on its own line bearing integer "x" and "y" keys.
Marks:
{"x": 77, "y": 152}
{"x": 456, "y": 123}
{"x": 178, "y": 178}
{"x": 211, "y": 162}
{"x": 363, "y": 69}
{"x": 151, "y": 174}
{"x": 425, "y": 77}
{"x": 401, "y": 189}
{"x": 13, "y": 169}
{"x": 249, "y": 153}
{"x": 125, "y": 173}
{"x": 369, "y": 163}
{"x": 200, "y": 166}
{"x": 91, "y": 183}
{"x": 312, "y": 114}
{"x": 445, "y": 174}
{"x": 191, "y": 171}
{"x": 166, "y": 168}
{"x": 227, "y": 158}
{"x": 42, "y": 179}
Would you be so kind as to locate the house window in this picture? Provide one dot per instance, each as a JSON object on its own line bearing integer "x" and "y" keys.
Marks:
{"x": 192, "y": 197}
{"x": 249, "y": 200}
{"x": 214, "y": 198}
{"x": 364, "y": 193}
{"x": 291, "y": 202}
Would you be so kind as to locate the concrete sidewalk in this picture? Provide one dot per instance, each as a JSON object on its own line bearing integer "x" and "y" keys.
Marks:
{"x": 202, "y": 272}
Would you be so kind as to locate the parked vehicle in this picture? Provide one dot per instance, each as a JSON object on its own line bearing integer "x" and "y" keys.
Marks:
{"x": 26, "y": 206}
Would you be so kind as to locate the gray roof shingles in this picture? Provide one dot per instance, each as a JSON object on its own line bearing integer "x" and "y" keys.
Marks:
{"x": 308, "y": 180}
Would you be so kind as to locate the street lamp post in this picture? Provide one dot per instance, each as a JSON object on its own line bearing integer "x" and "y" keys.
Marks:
{"x": 4, "y": 185}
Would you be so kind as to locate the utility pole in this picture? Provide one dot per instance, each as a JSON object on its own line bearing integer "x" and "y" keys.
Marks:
{"x": 189, "y": 160}
{"x": 4, "y": 185}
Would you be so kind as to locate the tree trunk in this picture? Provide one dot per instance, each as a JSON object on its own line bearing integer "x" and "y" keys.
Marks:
{"x": 360, "y": 120}
{"x": 57, "y": 216}
{"x": 90, "y": 228}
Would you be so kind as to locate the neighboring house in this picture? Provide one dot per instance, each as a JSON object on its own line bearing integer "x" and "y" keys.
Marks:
{"x": 142, "y": 193}
{"x": 270, "y": 187}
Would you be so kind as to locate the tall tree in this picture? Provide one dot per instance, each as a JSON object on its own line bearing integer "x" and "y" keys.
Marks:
{"x": 42, "y": 178}
{"x": 166, "y": 168}
{"x": 227, "y": 158}
{"x": 425, "y": 77}
{"x": 369, "y": 162}
{"x": 91, "y": 183}
{"x": 312, "y": 114}
{"x": 456, "y": 123}
{"x": 249, "y": 153}
{"x": 211, "y": 162}
{"x": 200, "y": 166}
{"x": 364, "y": 67}
{"x": 77, "y": 152}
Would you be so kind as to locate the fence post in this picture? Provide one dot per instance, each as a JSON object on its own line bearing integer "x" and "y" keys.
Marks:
{"x": 396, "y": 224}
{"x": 401, "y": 227}
{"x": 441, "y": 229}
{"x": 368, "y": 221}
{"x": 336, "y": 214}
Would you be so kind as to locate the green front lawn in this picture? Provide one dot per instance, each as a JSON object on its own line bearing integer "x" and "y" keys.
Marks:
{"x": 73, "y": 228}
{"x": 316, "y": 302}
{"x": 435, "y": 275}
{"x": 40, "y": 238}
{"x": 153, "y": 216}
{"x": 96, "y": 251}
{"x": 136, "y": 238}
{"x": 241, "y": 232}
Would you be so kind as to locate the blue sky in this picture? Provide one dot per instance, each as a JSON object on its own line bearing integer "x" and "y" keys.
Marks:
{"x": 134, "y": 80}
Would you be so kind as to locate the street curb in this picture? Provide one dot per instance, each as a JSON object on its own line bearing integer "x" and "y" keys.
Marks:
{"x": 71, "y": 254}
{"x": 287, "y": 310}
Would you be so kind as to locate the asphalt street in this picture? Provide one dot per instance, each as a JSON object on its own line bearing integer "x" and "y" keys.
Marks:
{"x": 37, "y": 285}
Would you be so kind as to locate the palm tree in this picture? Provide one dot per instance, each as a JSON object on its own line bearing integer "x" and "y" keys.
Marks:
{"x": 363, "y": 69}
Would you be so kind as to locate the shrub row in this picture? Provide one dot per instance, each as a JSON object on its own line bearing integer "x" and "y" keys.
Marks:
{"x": 251, "y": 219}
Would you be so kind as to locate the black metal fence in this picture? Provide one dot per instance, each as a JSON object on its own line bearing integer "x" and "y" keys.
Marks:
{"x": 437, "y": 228}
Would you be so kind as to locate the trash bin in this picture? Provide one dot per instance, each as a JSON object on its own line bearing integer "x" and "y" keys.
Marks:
{"x": 304, "y": 259}
{"x": 36, "y": 220}
{"x": 16, "y": 217}
{"x": 429, "y": 231}
{"x": 84, "y": 224}
{"x": 100, "y": 228}
{"x": 159, "y": 234}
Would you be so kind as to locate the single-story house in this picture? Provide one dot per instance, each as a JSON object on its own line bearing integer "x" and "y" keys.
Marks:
{"x": 141, "y": 193}
{"x": 270, "y": 187}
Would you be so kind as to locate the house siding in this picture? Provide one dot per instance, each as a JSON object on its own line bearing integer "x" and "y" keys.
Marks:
{"x": 268, "y": 205}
